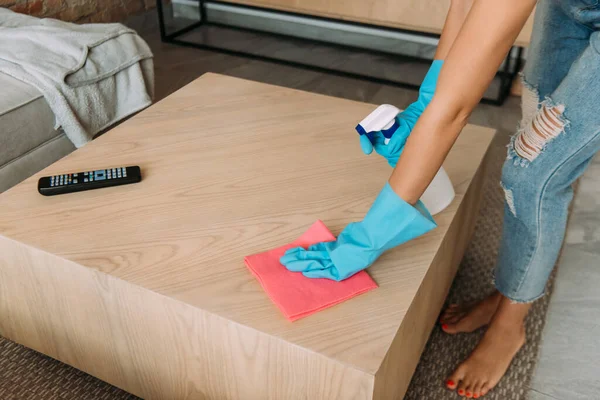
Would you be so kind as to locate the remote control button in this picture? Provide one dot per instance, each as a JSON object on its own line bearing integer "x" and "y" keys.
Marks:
{"x": 75, "y": 175}
{"x": 85, "y": 179}
{"x": 75, "y": 180}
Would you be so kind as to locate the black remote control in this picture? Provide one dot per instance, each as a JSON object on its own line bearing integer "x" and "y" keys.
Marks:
{"x": 79, "y": 181}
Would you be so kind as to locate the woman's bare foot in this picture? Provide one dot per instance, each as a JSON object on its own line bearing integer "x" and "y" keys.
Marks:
{"x": 488, "y": 363}
{"x": 468, "y": 318}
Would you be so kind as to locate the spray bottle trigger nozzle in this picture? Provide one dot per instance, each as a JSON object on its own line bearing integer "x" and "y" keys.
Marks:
{"x": 382, "y": 119}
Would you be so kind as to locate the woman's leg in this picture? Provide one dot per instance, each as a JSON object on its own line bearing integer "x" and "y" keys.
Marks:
{"x": 558, "y": 40}
{"x": 557, "y": 139}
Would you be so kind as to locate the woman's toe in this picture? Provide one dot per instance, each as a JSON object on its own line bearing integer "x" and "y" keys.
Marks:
{"x": 485, "y": 388}
{"x": 462, "y": 389}
{"x": 456, "y": 378}
{"x": 469, "y": 392}
{"x": 451, "y": 327}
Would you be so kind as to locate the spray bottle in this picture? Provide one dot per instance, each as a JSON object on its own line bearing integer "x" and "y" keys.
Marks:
{"x": 440, "y": 192}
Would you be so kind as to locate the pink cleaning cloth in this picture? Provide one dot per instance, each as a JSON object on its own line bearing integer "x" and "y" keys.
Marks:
{"x": 296, "y": 295}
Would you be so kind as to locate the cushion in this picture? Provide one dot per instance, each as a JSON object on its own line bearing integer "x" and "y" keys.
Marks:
{"x": 26, "y": 120}
{"x": 28, "y": 141}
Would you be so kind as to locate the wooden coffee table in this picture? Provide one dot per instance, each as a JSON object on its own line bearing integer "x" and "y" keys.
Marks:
{"x": 144, "y": 286}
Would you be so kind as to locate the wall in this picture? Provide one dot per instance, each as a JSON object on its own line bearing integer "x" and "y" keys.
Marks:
{"x": 80, "y": 11}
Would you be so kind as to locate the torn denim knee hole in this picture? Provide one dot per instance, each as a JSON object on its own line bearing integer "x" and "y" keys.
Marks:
{"x": 510, "y": 199}
{"x": 533, "y": 135}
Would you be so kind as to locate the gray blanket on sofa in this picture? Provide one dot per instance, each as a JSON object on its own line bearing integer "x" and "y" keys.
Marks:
{"x": 91, "y": 75}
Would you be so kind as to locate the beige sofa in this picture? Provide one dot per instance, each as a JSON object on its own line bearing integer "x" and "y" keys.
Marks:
{"x": 28, "y": 140}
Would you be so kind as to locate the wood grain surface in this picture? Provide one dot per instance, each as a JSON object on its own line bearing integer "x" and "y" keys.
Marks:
{"x": 145, "y": 287}
{"x": 404, "y": 353}
{"x": 415, "y": 15}
{"x": 154, "y": 346}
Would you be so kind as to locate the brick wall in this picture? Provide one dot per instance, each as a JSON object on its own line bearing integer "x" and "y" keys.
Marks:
{"x": 80, "y": 11}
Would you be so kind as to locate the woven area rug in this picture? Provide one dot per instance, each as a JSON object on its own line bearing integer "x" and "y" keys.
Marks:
{"x": 26, "y": 374}
{"x": 473, "y": 282}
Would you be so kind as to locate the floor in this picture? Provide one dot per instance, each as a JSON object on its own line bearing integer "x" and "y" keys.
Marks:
{"x": 569, "y": 365}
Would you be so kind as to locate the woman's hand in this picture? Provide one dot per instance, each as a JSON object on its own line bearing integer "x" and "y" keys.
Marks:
{"x": 405, "y": 121}
{"x": 390, "y": 222}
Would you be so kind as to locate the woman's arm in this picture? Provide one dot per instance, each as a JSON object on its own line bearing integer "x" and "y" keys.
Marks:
{"x": 457, "y": 14}
{"x": 481, "y": 44}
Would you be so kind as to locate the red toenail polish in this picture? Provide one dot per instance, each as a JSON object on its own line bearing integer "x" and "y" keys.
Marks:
{"x": 461, "y": 391}
{"x": 444, "y": 326}
{"x": 450, "y": 383}
{"x": 468, "y": 394}
{"x": 475, "y": 396}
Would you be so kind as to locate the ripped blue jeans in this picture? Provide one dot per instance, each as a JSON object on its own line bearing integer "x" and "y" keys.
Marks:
{"x": 557, "y": 138}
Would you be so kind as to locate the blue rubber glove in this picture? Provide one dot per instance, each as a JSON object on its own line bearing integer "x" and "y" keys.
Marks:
{"x": 405, "y": 121}
{"x": 390, "y": 222}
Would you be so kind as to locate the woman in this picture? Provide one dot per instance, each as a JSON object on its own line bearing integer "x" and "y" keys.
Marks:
{"x": 557, "y": 137}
